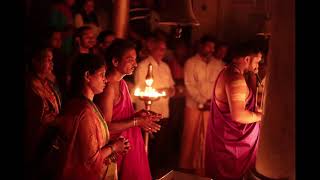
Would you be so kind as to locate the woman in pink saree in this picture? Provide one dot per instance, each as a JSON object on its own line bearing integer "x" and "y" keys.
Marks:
{"x": 119, "y": 113}
{"x": 233, "y": 127}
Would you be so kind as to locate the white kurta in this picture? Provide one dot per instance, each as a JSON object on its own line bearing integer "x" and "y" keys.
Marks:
{"x": 199, "y": 78}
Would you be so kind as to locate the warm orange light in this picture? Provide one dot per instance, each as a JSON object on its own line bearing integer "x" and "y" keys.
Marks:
{"x": 149, "y": 82}
{"x": 148, "y": 92}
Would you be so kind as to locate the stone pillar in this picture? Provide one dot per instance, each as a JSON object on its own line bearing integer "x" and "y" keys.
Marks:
{"x": 276, "y": 152}
{"x": 120, "y": 17}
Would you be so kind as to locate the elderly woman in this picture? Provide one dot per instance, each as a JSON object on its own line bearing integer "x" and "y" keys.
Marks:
{"x": 85, "y": 151}
{"x": 42, "y": 105}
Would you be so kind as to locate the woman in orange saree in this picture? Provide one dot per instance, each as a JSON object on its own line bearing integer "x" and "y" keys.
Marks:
{"x": 85, "y": 150}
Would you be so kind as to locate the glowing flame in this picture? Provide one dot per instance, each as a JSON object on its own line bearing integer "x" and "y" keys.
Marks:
{"x": 149, "y": 82}
{"x": 148, "y": 92}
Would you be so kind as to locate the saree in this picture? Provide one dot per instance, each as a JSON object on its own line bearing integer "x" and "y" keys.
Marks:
{"x": 230, "y": 146}
{"x": 134, "y": 165}
{"x": 84, "y": 132}
{"x": 42, "y": 107}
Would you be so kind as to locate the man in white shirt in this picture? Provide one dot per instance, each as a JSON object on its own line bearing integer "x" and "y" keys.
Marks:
{"x": 200, "y": 73}
{"x": 162, "y": 81}
{"x": 162, "y": 78}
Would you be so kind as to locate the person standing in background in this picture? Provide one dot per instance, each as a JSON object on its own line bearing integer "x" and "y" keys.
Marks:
{"x": 199, "y": 72}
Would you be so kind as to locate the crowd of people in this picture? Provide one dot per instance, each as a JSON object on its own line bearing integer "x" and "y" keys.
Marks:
{"x": 83, "y": 122}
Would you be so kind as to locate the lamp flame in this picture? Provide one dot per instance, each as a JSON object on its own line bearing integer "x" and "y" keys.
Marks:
{"x": 149, "y": 82}
{"x": 148, "y": 92}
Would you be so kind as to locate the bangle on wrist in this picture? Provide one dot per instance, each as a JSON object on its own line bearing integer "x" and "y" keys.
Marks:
{"x": 134, "y": 122}
{"x": 112, "y": 148}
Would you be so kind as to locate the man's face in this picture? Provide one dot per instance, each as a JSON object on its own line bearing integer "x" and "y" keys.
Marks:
{"x": 149, "y": 43}
{"x": 107, "y": 41}
{"x": 88, "y": 39}
{"x": 254, "y": 62}
{"x": 47, "y": 63}
{"x": 207, "y": 49}
{"x": 221, "y": 52}
{"x": 56, "y": 40}
{"x": 89, "y": 6}
{"x": 159, "y": 50}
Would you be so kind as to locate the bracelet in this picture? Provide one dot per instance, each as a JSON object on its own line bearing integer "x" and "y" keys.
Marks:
{"x": 112, "y": 148}
{"x": 134, "y": 122}
{"x": 111, "y": 158}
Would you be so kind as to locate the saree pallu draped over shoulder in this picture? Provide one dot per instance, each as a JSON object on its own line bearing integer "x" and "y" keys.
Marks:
{"x": 85, "y": 133}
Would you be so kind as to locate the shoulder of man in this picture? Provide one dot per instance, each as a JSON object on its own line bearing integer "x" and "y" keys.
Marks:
{"x": 144, "y": 62}
{"x": 191, "y": 60}
{"x": 231, "y": 77}
{"x": 165, "y": 64}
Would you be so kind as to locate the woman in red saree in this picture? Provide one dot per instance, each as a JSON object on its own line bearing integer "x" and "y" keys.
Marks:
{"x": 85, "y": 151}
{"x": 119, "y": 113}
{"x": 233, "y": 128}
